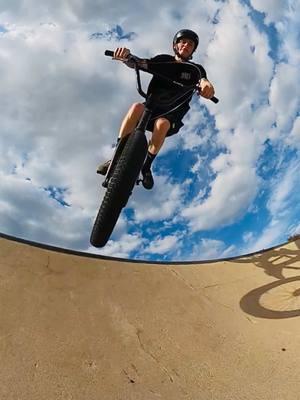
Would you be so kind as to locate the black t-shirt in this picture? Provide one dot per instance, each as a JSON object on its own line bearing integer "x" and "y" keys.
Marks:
{"x": 186, "y": 73}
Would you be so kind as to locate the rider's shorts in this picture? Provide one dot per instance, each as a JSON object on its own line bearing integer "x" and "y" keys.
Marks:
{"x": 175, "y": 119}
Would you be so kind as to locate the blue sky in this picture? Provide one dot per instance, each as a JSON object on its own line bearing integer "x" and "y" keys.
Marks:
{"x": 227, "y": 184}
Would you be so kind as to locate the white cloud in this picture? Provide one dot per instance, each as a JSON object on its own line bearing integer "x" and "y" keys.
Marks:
{"x": 163, "y": 245}
{"x": 235, "y": 185}
{"x": 162, "y": 203}
{"x": 29, "y": 212}
{"x": 209, "y": 249}
{"x": 285, "y": 16}
{"x": 248, "y": 237}
{"x": 294, "y": 138}
{"x": 279, "y": 201}
{"x": 272, "y": 8}
{"x": 122, "y": 247}
{"x": 231, "y": 194}
{"x": 283, "y": 205}
{"x": 242, "y": 82}
{"x": 284, "y": 98}
{"x": 241, "y": 75}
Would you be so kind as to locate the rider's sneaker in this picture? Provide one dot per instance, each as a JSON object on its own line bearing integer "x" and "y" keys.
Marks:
{"x": 147, "y": 181}
{"x": 102, "y": 168}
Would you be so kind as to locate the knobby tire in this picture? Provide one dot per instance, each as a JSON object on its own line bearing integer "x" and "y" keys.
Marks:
{"x": 119, "y": 188}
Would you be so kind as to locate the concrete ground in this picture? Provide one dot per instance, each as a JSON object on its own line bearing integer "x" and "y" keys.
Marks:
{"x": 73, "y": 326}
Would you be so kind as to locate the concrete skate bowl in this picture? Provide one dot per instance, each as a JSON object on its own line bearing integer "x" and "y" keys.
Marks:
{"x": 78, "y": 326}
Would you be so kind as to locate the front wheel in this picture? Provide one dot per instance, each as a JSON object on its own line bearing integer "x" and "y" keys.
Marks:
{"x": 120, "y": 187}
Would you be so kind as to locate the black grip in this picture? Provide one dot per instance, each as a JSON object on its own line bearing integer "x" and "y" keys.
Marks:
{"x": 215, "y": 99}
{"x": 109, "y": 53}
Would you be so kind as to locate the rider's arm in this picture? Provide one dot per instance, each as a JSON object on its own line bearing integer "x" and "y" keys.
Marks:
{"x": 122, "y": 53}
{"x": 142, "y": 63}
{"x": 145, "y": 63}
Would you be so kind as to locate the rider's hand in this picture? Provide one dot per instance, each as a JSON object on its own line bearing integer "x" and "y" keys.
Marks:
{"x": 206, "y": 89}
{"x": 121, "y": 53}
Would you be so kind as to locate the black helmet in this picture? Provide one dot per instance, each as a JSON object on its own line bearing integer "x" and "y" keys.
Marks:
{"x": 186, "y": 34}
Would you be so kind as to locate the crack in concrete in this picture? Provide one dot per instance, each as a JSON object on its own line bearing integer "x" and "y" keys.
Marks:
{"x": 164, "y": 369}
{"x": 51, "y": 270}
{"x": 128, "y": 376}
{"x": 202, "y": 289}
{"x": 182, "y": 279}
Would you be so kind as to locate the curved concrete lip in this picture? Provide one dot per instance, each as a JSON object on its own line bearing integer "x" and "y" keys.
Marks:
{"x": 128, "y": 260}
{"x": 77, "y": 326}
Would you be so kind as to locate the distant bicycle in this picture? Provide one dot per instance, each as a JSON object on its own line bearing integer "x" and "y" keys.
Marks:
{"x": 128, "y": 159}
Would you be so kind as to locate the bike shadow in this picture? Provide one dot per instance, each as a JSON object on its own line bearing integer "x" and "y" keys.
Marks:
{"x": 279, "y": 299}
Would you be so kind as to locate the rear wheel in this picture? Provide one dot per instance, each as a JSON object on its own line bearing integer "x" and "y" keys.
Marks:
{"x": 120, "y": 187}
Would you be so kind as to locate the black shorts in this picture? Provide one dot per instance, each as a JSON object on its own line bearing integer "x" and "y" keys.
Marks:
{"x": 175, "y": 119}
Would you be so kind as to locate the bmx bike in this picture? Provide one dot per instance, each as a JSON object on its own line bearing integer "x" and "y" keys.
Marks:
{"x": 130, "y": 153}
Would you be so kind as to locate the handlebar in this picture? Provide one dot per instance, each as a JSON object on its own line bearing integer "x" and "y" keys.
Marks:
{"x": 110, "y": 53}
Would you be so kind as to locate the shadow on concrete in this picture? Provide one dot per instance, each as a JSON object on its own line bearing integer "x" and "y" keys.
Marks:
{"x": 281, "y": 298}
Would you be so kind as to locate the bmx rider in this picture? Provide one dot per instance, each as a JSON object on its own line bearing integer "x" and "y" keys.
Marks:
{"x": 185, "y": 42}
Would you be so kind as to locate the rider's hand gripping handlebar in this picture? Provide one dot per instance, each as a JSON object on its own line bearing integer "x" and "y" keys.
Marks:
{"x": 130, "y": 57}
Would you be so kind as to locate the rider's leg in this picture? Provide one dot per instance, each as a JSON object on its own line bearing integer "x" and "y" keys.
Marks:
{"x": 131, "y": 119}
{"x": 128, "y": 124}
{"x": 161, "y": 128}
